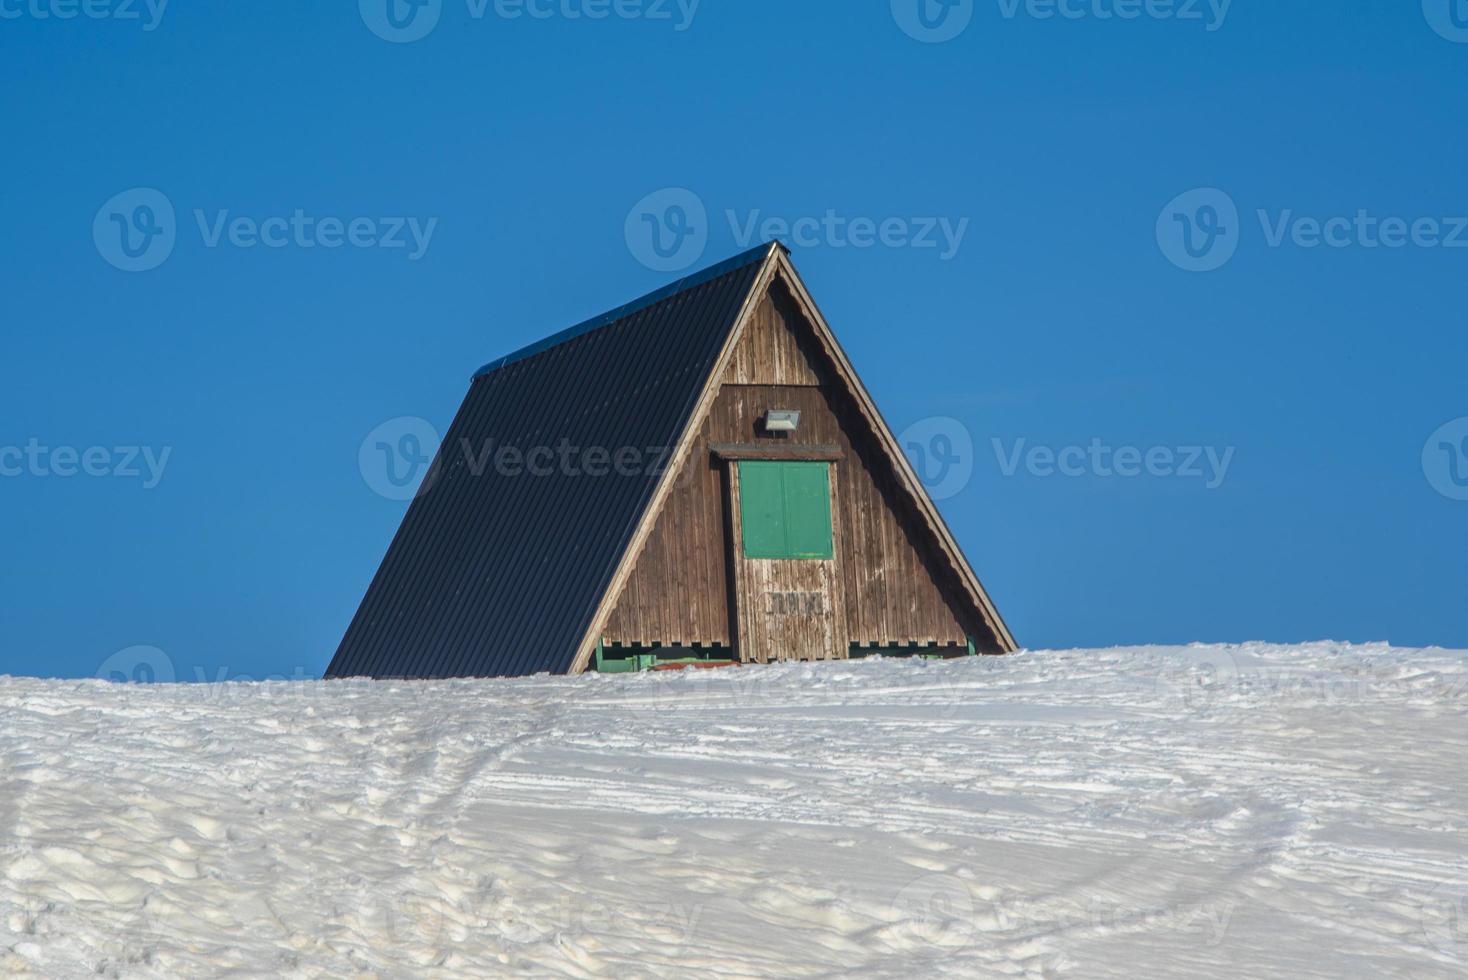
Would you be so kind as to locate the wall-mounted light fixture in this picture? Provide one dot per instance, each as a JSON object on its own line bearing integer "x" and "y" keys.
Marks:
{"x": 781, "y": 420}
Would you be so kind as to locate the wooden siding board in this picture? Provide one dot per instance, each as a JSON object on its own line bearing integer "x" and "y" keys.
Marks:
{"x": 774, "y": 350}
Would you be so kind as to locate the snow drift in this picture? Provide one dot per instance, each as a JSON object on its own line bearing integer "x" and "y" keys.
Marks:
{"x": 1250, "y": 810}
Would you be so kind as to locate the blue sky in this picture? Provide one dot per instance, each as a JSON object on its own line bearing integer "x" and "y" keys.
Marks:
{"x": 1093, "y": 290}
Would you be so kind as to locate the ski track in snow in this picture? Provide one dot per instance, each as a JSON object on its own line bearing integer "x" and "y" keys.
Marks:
{"x": 1207, "y": 811}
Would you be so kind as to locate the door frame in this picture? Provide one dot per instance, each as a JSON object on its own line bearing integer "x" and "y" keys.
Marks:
{"x": 745, "y": 605}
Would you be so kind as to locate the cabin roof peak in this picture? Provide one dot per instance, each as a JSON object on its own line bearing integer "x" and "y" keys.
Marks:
{"x": 691, "y": 281}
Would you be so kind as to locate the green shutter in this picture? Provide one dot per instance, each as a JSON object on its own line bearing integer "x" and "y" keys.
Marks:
{"x": 808, "y": 510}
{"x": 762, "y": 509}
{"x": 785, "y": 509}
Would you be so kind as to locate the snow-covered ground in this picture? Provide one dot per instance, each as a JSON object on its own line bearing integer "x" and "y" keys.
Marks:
{"x": 1256, "y": 811}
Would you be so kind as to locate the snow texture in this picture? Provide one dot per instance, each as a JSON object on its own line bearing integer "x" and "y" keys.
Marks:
{"x": 1209, "y": 811}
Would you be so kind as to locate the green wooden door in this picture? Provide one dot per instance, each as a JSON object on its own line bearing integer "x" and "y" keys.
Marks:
{"x": 788, "y": 591}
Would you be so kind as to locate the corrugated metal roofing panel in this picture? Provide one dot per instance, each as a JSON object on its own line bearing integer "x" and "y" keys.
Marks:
{"x": 493, "y": 574}
{"x": 626, "y": 310}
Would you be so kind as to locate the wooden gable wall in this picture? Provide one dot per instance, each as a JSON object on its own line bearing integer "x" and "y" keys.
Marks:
{"x": 898, "y": 588}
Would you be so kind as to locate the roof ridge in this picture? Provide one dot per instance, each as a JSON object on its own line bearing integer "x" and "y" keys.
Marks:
{"x": 691, "y": 281}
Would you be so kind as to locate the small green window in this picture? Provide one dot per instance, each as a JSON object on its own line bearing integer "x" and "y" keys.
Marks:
{"x": 785, "y": 509}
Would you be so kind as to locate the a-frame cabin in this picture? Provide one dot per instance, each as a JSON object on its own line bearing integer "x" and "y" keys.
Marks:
{"x": 697, "y": 476}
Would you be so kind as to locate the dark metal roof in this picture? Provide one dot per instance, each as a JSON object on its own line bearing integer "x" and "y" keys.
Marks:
{"x": 627, "y": 309}
{"x": 497, "y": 570}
